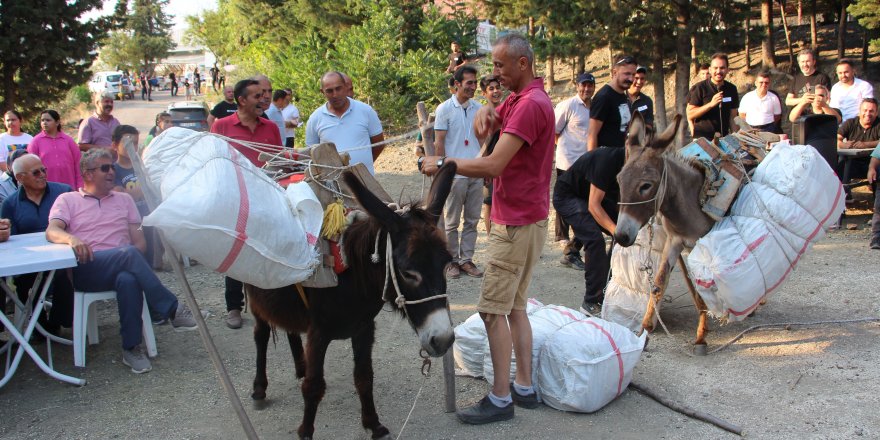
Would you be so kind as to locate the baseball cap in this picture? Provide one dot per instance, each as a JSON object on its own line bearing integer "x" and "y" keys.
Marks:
{"x": 642, "y": 69}
{"x": 586, "y": 77}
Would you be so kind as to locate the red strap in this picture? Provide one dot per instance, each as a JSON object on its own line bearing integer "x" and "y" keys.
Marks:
{"x": 241, "y": 221}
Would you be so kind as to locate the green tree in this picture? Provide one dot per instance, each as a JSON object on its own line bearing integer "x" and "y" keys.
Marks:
{"x": 867, "y": 12}
{"x": 143, "y": 36}
{"x": 45, "y": 50}
{"x": 214, "y": 30}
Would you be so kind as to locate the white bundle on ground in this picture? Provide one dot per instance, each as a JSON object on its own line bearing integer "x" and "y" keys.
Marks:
{"x": 626, "y": 295}
{"x": 544, "y": 322}
{"x": 793, "y": 199}
{"x": 586, "y": 364}
{"x": 471, "y": 344}
{"x": 219, "y": 208}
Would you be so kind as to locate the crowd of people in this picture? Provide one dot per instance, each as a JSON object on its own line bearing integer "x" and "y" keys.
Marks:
{"x": 85, "y": 193}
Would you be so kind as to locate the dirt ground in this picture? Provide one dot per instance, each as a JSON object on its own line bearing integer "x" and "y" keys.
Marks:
{"x": 813, "y": 382}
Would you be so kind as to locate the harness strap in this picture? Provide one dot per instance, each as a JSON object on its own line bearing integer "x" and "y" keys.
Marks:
{"x": 302, "y": 294}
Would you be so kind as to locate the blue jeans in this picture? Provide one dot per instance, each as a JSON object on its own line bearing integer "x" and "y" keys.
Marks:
{"x": 126, "y": 271}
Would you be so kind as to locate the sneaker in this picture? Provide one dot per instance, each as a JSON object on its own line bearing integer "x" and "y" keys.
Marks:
{"x": 483, "y": 412}
{"x": 875, "y": 243}
{"x": 573, "y": 261}
{"x": 593, "y": 310}
{"x": 528, "y": 401}
{"x": 137, "y": 360}
{"x": 470, "y": 269}
{"x": 233, "y": 319}
{"x": 183, "y": 319}
{"x": 453, "y": 271}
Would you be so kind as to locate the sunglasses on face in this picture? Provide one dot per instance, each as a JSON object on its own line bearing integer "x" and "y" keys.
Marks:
{"x": 38, "y": 172}
{"x": 625, "y": 60}
{"x": 104, "y": 168}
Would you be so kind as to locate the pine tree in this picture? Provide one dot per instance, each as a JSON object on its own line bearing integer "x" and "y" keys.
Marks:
{"x": 143, "y": 36}
{"x": 45, "y": 50}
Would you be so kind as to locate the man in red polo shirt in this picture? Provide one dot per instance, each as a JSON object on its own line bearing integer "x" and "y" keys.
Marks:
{"x": 246, "y": 125}
{"x": 521, "y": 165}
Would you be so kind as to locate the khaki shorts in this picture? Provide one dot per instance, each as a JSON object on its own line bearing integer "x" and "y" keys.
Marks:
{"x": 513, "y": 252}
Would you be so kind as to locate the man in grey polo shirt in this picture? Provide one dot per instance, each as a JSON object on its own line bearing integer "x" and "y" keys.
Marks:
{"x": 95, "y": 131}
{"x": 350, "y": 124}
{"x": 572, "y": 128}
{"x": 455, "y": 138}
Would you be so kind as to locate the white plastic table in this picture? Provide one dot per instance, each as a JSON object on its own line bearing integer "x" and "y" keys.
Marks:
{"x": 30, "y": 253}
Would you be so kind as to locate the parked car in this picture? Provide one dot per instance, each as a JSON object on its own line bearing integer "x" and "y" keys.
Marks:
{"x": 106, "y": 82}
{"x": 189, "y": 114}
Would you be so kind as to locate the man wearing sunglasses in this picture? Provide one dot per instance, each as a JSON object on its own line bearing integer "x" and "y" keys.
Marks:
{"x": 104, "y": 229}
{"x": 610, "y": 111}
{"x": 28, "y": 210}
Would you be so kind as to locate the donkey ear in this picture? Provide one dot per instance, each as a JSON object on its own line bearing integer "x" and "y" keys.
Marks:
{"x": 636, "y": 137}
{"x": 374, "y": 207}
{"x": 440, "y": 190}
{"x": 663, "y": 140}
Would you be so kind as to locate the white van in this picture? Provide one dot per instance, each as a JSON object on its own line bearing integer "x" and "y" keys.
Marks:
{"x": 106, "y": 82}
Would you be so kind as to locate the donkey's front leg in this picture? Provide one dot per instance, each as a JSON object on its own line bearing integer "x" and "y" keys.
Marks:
{"x": 702, "y": 325}
{"x": 362, "y": 347}
{"x": 671, "y": 250}
{"x": 313, "y": 386}
{"x": 262, "y": 331}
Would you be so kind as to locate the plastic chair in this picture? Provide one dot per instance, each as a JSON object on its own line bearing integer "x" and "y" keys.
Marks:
{"x": 86, "y": 323}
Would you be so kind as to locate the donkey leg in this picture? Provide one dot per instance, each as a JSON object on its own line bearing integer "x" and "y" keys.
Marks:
{"x": 313, "y": 386}
{"x": 671, "y": 250}
{"x": 262, "y": 331}
{"x": 362, "y": 347}
{"x": 702, "y": 325}
{"x": 296, "y": 347}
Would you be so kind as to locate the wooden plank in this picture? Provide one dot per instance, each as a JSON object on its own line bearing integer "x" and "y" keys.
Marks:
{"x": 426, "y": 125}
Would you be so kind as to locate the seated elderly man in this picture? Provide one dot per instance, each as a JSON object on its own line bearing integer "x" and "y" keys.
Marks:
{"x": 860, "y": 132}
{"x": 103, "y": 228}
{"x": 28, "y": 210}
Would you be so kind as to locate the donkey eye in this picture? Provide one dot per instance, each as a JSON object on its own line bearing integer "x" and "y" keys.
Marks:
{"x": 412, "y": 276}
{"x": 644, "y": 188}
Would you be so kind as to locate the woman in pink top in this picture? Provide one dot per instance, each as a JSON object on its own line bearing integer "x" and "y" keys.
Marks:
{"x": 57, "y": 150}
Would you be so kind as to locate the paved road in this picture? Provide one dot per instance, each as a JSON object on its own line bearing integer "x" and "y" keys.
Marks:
{"x": 142, "y": 114}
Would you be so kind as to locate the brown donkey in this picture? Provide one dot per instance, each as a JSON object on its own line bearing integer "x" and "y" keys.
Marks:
{"x": 655, "y": 181}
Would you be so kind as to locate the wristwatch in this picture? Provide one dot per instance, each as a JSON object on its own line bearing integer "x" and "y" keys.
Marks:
{"x": 441, "y": 161}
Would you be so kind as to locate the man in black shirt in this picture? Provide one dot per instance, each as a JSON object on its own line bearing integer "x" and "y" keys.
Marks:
{"x": 803, "y": 84}
{"x": 712, "y": 104}
{"x": 224, "y": 108}
{"x": 860, "y": 132}
{"x": 586, "y": 196}
{"x": 638, "y": 101}
{"x": 609, "y": 113}
{"x": 457, "y": 58}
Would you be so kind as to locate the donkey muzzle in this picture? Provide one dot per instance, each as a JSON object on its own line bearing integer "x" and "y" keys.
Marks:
{"x": 436, "y": 334}
{"x": 627, "y": 230}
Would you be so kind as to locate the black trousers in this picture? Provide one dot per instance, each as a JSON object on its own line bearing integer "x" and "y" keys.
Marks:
{"x": 561, "y": 229}
{"x": 598, "y": 259}
{"x": 234, "y": 294}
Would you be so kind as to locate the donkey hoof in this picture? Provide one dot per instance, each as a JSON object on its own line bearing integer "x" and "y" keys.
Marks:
{"x": 258, "y": 395}
{"x": 700, "y": 349}
{"x": 381, "y": 433}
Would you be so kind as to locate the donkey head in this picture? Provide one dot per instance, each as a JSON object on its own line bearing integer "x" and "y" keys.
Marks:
{"x": 640, "y": 180}
{"x": 420, "y": 257}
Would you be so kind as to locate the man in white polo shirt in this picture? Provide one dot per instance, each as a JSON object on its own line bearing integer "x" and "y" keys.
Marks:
{"x": 350, "y": 124}
{"x": 849, "y": 92}
{"x": 761, "y": 108}
{"x": 455, "y": 138}
{"x": 572, "y": 128}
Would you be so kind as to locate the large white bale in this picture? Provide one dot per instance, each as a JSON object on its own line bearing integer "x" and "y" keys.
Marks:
{"x": 627, "y": 292}
{"x": 220, "y": 209}
{"x": 586, "y": 364}
{"x": 793, "y": 199}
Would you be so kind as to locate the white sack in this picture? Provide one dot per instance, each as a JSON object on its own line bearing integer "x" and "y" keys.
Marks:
{"x": 586, "y": 364}
{"x": 793, "y": 199}
{"x": 220, "y": 209}
{"x": 471, "y": 343}
{"x": 626, "y": 295}
{"x": 544, "y": 322}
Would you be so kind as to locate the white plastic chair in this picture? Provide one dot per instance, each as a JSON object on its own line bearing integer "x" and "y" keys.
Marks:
{"x": 85, "y": 322}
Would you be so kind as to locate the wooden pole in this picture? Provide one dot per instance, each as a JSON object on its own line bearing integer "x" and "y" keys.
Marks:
{"x": 152, "y": 197}
{"x": 449, "y": 381}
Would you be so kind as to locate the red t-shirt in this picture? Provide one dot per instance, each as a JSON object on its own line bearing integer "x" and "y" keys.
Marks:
{"x": 265, "y": 133}
{"x": 521, "y": 194}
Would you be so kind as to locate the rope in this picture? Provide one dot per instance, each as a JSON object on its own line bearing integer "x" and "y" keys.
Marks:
{"x": 789, "y": 324}
{"x": 419, "y": 393}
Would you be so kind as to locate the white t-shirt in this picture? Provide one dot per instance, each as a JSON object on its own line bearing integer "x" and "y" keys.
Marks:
{"x": 290, "y": 113}
{"x": 848, "y": 99}
{"x": 10, "y": 143}
{"x": 351, "y": 132}
{"x": 458, "y": 123}
{"x": 572, "y": 126}
{"x": 760, "y": 111}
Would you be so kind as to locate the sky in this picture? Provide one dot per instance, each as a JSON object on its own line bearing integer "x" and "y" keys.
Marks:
{"x": 178, "y": 8}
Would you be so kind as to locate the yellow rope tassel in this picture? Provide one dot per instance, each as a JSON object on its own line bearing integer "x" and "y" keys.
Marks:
{"x": 334, "y": 220}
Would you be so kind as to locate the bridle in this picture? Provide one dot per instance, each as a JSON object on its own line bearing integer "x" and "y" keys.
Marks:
{"x": 391, "y": 272}
{"x": 659, "y": 195}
